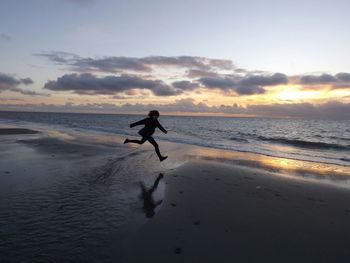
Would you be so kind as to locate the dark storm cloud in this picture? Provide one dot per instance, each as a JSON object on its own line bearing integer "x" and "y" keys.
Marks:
{"x": 89, "y": 84}
{"x": 145, "y": 64}
{"x": 252, "y": 84}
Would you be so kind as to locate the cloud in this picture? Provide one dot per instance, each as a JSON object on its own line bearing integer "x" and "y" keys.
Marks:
{"x": 89, "y": 84}
{"x": 203, "y": 71}
{"x": 338, "y": 81}
{"x": 219, "y": 74}
{"x": 27, "y": 81}
{"x": 197, "y": 73}
{"x": 185, "y": 85}
{"x": 110, "y": 65}
{"x": 264, "y": 80}
{"x": 322, "y": 79}
{"x": 330, "y": 110}
{"x": 200, "y": 63}
{"x": 144, "y": 64}
{"x": 218, "y": 82}
{"x": 59, "y": 57}
{"x": 250, "y": 90}
{"x": 182, "y": 105}
{"x": 251, "y": 84}
{"x": 343, "y": 77}
{"x": 10, "y": 83}
{"x": 29, "y": 92}
{"x": 165, "y": 90}
{"x": 5, "y": 37}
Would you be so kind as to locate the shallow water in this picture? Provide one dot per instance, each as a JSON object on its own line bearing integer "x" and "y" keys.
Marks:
{"x": 59, "y": 205}
{"x": 313, "y": 140}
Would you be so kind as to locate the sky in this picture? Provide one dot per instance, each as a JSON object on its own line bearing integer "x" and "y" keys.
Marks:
{"x": 272, "y": 58}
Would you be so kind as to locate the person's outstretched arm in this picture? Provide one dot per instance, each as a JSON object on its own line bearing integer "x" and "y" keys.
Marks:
{"x": 138, "y": 123}
{"x": 161, "y": 128}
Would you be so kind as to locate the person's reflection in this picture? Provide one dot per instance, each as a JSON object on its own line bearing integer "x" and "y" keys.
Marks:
{"x": 148, "y": 203}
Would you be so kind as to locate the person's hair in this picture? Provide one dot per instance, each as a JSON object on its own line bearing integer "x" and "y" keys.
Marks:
{"x": 153, "y": 113}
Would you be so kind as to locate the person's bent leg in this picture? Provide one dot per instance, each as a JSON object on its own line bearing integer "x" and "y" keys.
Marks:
{"x": 135, "y": 141}
{"x": 156, "y": 147}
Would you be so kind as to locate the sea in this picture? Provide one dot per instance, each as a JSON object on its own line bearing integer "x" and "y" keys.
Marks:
{"x": 323, "y": 141}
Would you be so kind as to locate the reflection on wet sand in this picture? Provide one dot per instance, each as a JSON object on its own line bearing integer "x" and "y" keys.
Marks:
{"x": 149, "y": 205}
{"x": 306, "y": 169}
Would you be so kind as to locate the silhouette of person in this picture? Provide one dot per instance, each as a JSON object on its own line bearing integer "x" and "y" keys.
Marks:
{"x": 148, "y": 203}
{"x": 151, "y": 123}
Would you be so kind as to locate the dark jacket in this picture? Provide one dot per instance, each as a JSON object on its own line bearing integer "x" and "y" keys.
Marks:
{"x": 150, "y": 125}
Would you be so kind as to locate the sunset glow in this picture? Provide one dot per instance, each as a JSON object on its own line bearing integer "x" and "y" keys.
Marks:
{"x": 290, "y": 94}
{"x": 90, "y": 62}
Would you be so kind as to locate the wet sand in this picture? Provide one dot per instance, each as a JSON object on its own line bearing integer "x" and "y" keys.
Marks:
{"x": 60, "y": 199}
{"x": 220, "y": 213}
{"x": 12, "y": 131}
{"x": 74, "y": 196}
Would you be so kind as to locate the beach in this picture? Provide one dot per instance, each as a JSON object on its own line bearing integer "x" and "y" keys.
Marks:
{"x": 70, "y": 195}
{"x": 218, "y": 213}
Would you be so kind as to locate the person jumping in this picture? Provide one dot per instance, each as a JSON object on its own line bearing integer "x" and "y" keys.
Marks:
{"x": 151, "y": 123}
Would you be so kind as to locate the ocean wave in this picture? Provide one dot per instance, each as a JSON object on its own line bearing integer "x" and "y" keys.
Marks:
{"x": 339, "y": 138}
{"x": 238, "y": 139}
{"x": 306, "y": 144}
{"x": 316, "y": 143}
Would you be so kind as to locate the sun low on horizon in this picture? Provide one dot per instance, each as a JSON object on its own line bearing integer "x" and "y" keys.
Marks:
{"x": 230, "y": 58}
